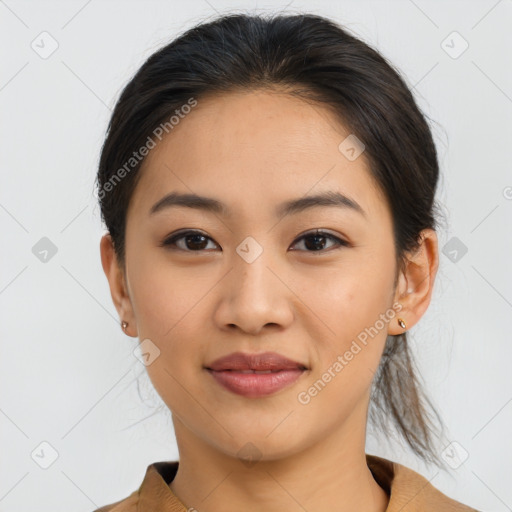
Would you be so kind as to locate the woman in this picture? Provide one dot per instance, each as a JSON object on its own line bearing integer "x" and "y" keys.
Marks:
{"x": 268, "y": 187}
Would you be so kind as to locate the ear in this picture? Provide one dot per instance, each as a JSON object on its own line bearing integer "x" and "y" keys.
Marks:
{"x": 416, "y": 282}
{"x": 117, "y": 283}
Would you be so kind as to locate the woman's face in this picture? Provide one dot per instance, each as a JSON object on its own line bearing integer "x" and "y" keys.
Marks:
{"x": 260, "y": 281}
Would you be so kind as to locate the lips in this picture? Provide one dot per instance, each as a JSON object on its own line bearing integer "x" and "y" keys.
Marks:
{"x": 250, "y": 363}
{"x": 255, "y": 375}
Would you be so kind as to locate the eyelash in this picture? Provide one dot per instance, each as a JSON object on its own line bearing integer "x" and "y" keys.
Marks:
{"x": 171, "y": 241}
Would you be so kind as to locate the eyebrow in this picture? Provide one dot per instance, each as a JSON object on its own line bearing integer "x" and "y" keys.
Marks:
{"x": 208, "y": 204}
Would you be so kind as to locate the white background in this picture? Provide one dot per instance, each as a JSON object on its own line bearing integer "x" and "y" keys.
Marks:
{"x": 68, "y": 373}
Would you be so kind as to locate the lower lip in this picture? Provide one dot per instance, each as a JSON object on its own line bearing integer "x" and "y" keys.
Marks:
{"x": 256, "y": 384}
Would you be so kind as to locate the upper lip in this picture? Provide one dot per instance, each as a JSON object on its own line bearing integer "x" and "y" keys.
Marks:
{"x": 262, "y": 361}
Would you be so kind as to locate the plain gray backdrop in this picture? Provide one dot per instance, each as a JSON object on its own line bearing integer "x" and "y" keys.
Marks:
{"x": 74, "y": 432}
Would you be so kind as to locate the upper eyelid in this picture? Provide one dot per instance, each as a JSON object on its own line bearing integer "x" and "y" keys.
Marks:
{"x": 191, "y": 231}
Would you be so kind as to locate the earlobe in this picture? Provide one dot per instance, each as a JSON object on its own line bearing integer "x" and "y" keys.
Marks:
{"x": 416, "y": 282}
{"x": 116, "y": 281}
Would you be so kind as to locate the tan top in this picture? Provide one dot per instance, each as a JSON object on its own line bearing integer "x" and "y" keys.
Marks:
{"x": 409, "y": 491}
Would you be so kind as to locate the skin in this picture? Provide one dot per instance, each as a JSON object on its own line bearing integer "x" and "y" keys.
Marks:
{"x": 252, "y": 151}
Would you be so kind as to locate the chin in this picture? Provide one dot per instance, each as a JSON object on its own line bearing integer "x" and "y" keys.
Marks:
{"x": 253, "y": 446}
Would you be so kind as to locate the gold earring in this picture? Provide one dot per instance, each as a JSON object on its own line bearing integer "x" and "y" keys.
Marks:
{"x": 401, "y": 323}
{"x": 124, "y": 325}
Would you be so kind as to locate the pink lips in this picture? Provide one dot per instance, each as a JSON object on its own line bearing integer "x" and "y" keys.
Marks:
{"x": 242, "y": 373}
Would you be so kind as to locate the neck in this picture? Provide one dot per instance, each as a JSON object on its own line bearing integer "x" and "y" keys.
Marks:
{"x": 331, "y": 475}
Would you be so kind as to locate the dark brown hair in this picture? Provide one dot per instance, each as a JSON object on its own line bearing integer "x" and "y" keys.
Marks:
{"x": 314, "y": 58}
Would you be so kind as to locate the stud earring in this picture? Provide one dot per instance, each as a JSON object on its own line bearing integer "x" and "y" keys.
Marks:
{"x": 124, "y": 325}
{"x": 401, "y": 323}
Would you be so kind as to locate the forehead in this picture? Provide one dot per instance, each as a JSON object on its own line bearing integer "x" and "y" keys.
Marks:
{"x": 256, "y": 148}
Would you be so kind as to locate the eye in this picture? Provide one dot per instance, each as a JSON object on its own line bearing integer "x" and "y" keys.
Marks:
{"x": 317, "y": 240}
{"x": 194, "y": 241}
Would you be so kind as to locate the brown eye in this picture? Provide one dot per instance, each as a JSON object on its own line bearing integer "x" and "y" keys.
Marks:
{"x": 193, "y": 241}
{"x": 316, "y": 241}
{"x": 196, "y": 241}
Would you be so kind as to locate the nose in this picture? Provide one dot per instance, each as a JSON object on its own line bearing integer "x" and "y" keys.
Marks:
{"x": 254, "y": 296}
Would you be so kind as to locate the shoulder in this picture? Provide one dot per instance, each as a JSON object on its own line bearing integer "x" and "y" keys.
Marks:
{"x": 410, "y": 491}
{"x": 153, "y": 489}
{"x": 128, "y": 504}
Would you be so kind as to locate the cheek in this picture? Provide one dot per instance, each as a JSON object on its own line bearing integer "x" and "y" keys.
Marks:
{"x": 167, "y": 318}
{"x": 166, "y": 305}
{"x": 164, "y": 298}
{"x": 347, "y": 358}
{"x": 352, "y": 302}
